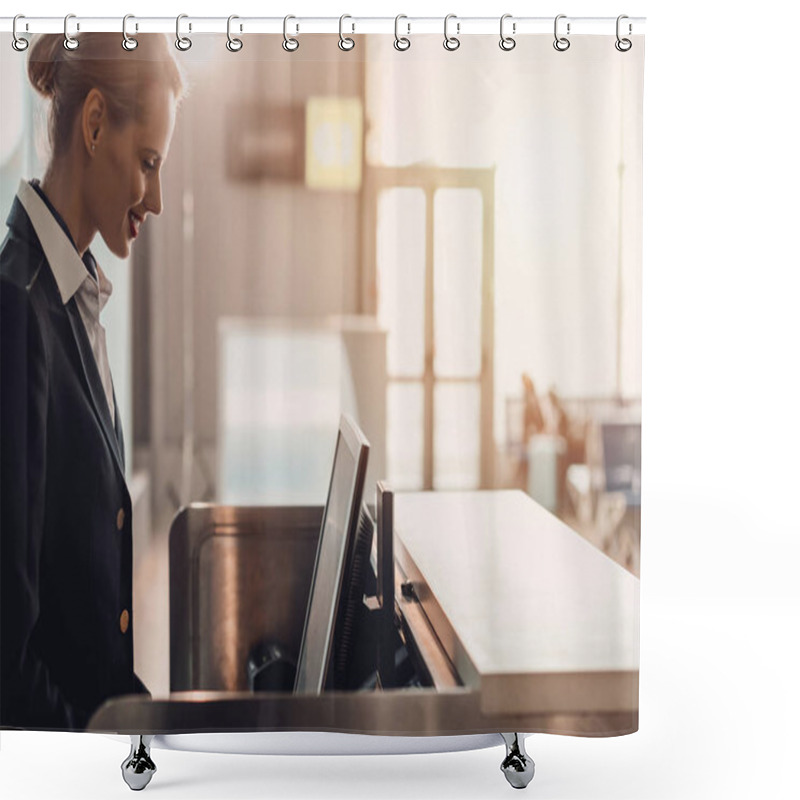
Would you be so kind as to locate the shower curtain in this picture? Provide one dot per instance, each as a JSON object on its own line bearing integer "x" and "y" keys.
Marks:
{"x": 442, "y": 243}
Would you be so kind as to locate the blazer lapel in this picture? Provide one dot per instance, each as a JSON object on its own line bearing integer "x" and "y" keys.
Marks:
{"x": 20, "y": 221}
{"x": 94, "y": 383}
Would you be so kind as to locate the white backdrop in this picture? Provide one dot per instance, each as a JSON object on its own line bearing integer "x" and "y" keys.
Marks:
{"x": 720, "y": 605}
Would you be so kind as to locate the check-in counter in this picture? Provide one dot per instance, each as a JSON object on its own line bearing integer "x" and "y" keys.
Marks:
{"x": 510, "y": 620}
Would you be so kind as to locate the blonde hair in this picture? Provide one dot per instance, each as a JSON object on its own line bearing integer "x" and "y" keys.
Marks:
{"x": 66, "y": 77}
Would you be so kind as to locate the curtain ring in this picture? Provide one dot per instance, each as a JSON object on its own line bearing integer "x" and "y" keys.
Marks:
{"x": 128, "y": 42}
{"x": 290, "y": 44}
{"x": 183, "y": 43}
{"x": 18, "y": 42}
{"x": 561, "y": 43}
{"x": 233, "y": 44}
{"x": 507, "y": 42}
{"x": 623, "y": 45}
{"x": 401, "y": 42}
{"x": 69, "y": 42}
{"x": 451, "y": 42}
{"x": 345, "y": 42}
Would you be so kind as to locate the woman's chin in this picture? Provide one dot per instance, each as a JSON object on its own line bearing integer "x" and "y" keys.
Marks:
{"x": 119, "y": 245}
{"x": 121, "y": 249}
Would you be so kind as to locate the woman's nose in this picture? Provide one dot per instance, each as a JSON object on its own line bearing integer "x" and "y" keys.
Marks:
{"x": 153, "y": 196}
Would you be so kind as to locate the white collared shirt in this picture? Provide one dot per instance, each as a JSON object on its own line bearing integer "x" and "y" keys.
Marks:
{"x": 73, "y": 278}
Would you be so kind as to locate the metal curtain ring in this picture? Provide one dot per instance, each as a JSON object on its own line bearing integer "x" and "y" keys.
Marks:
{"x": 233, "y": 44}
{"x": 182, "y": 42}
{"x": 451, "y": 42}
{"x": 507, "y": 42}
{"x": 345, "y": 42}
{"x": 561, "y": 43}
{"x": 290, "y": 44}
{"x": 128, "y": 42}
{"x": 18, "y": 43}
{"x": 401, "y": 42}
{"x": 623, "y": 45}
{"x": 69, "y": 42}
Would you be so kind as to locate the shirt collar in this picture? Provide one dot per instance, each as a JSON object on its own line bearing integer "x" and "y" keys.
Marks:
{"x": 104, "y": 287}
{"x": 65, "y": 262}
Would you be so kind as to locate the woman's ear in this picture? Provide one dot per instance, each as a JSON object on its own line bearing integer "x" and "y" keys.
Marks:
{"x": 93, "y": 120}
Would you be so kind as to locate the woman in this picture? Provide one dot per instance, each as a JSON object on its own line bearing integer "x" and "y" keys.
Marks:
{"x": 66, "y": 625}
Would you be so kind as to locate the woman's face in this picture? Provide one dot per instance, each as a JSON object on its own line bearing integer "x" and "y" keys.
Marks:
{"x": 124, "y": 181}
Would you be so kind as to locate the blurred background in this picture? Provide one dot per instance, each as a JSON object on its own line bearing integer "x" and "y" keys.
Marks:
{"x": 419, "y": 239}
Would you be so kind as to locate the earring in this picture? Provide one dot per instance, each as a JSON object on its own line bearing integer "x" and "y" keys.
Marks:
{"x": 93, "y": 148}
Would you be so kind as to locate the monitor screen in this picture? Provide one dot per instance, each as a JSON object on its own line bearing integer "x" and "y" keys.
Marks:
{"x": 339, "y": 524}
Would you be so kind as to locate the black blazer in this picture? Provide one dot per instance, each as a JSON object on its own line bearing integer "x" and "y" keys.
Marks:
{"x": 66, "y": 615}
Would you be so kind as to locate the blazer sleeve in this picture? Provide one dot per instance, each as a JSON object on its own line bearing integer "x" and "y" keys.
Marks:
{"x": 29, "y": 697}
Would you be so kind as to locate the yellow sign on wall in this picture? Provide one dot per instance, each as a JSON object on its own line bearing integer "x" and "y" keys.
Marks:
{"x": 334, "y": 137}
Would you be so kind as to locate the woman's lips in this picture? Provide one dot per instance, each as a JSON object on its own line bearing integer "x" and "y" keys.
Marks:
{"x": 134, "y": 223}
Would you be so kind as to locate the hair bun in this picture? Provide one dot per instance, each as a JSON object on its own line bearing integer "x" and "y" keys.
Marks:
{"x": 42, "y": 62}
{"x": 66, "y": 77}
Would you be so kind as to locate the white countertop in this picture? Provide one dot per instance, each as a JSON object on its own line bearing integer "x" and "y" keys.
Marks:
{"x": 538, "y": 617}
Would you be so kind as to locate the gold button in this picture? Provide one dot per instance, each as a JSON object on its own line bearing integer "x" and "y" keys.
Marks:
{"x": 123, "y": 620}
{"x": 120, "y": 519}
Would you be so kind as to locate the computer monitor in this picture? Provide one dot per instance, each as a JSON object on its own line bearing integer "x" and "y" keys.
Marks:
{"x": 337, "y": 539}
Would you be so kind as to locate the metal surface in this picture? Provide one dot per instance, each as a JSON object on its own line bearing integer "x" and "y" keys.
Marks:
{"x": 401, "y": 43}
{"x": 561, "y": 43}
{"x": 233, "y": 44}
{"x": 128, "y": 42}
{"x": 238, "y": 575}
{"x": 517, "y": 766}
{"x": 290, "y": 43}
{"x": 138, "y": 768}
{"x": 345, "y": 42}
{"x": 183, "y": 43}
{"x": 69, "y": 42}
{"x": 622, "y": 44}
{"x": 19, "y": 43}
{"x": 451, "y": 42}
{"x": 507, "y": 42}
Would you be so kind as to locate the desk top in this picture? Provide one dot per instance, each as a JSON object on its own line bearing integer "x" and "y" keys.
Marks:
{"x": 526, "y": 608}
